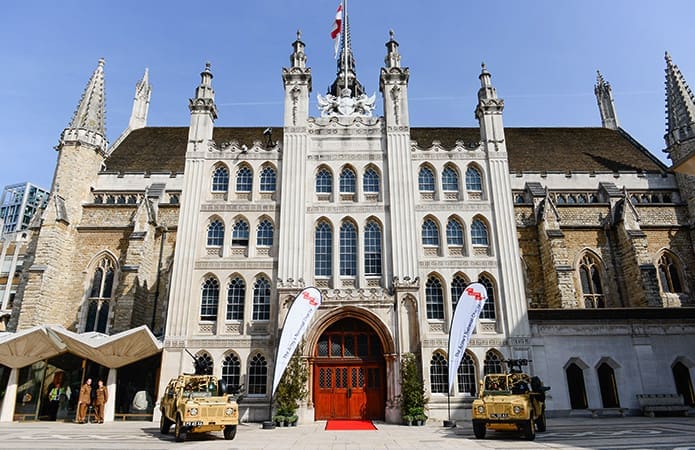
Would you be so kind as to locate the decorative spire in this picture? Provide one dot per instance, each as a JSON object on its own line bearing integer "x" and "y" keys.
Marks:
{"x": 346, "y": 57}
{"x": 606, "y": 105}
{"x": 90, "y": 114}
{"x": 393, "y": 58}
{"x": 298, "y": 57}
{"x": 141, "y": 103}
{"x": 680, "y": 106}
{"x": 204, "y": 100}
{"x": 486, "y": 91}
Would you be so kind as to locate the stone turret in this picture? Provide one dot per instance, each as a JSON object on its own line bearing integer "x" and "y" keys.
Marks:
{"x": 606, "y": 105}
{"x": 141, "y": 105}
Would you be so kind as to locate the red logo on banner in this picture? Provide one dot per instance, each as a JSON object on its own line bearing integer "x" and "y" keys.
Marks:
{"x": 310, "y": 299}
{"x": 476, "y": 295}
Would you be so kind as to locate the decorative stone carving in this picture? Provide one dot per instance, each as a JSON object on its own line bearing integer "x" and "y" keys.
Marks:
{"x": 233, "y": 328}
{"x": 437, "y": 327}
{"x": 206, "y": 328}
{"x": 346, "y": 104}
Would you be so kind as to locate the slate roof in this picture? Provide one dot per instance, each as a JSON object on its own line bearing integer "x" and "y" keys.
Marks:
{"x": 163, "y": 149}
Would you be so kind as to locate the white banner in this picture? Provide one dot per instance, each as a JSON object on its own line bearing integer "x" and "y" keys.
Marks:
{"x": 298, "y": 317}
{"x": 467, "y": 311}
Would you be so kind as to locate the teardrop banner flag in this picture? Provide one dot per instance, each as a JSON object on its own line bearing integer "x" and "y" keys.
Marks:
{"x": 298, "y": 317}
{"x": 465, "y": 316}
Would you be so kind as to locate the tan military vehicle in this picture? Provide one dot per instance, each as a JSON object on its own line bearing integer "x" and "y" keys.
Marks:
{"x": 198, "y": 404}
{"x": 511, "y": 401}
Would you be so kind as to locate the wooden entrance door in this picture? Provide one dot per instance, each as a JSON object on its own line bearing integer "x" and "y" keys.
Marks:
{"x": 349, "y": 373}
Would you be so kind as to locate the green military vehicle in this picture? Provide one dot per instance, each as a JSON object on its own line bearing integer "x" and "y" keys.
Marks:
{"x": 511, "y": 401}
{"x": 198, "y": 403}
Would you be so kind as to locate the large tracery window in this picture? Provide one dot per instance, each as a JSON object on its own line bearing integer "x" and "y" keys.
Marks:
{"x": 209, "y": 299}
{"x": 479, "y": 233}
{"x": 439, "y": 374}
{"x": 458, "y": 284}
{"x": 488, "y": 311}
{"x": 220, "y": 179}
{"x": 261, "y": 299}
{"x": 474, "y": 181}
{"x": 669, "y": 274}
{"x": 590, "y": 277}
{"x": 348, "y": 250}
{"x": 236, "y": 293}
{"x": 323, "y": 250}
{"x": 425, "y": 180}
{"x": 99, "y": 300}
{"x": 258, "y": 375}
{"x": 324, "y": 182}
{"x": 264, "y": 234}
{"x": 434, "y": 299}
{"x": 372, "y": 249}
{"x": 215, "y": 233}
{"x": 430, "y": 233}
{"x": 450, "y": 180}
{"x": 268, "y": 179}
{"x": 240, "y": 234}
{"x": 347, "y": 181}
{"x": 244, "y": 180}
{"x": 454, "y": 233}
{"x": 466, "y": 375}
{"x": 370, "y": 181}
{"x": 492, "y": 363}
{"x": 231, "y": 370}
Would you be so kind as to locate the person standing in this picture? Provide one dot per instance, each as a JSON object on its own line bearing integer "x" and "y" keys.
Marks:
{"x": 84, "y": 400}
{"x": 55, "y": 390}
{"x": 100, "y": 399}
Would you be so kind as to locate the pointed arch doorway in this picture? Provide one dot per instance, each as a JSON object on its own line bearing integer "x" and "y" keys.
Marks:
{"x": 349, "y": 372}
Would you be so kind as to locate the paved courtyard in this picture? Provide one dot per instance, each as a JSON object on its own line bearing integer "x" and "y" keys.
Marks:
{"x": 563, "y": 433}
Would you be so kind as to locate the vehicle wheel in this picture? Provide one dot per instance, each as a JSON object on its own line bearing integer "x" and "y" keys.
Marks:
{"x": 529, "y": 430}
{"x": 164, "y": 424}
{"x": 479, "y": 430}
{"x": 179, "y": 431}
{"x": 540, "y": 422}
{"x": 229, "y": 432}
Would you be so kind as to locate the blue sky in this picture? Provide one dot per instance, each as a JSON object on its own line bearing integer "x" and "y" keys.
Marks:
{"x": 543, "y": 56}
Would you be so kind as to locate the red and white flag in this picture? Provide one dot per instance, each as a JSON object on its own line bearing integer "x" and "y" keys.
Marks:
{"x": 337, "y": 29}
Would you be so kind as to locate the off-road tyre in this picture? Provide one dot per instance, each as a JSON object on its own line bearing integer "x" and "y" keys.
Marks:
{"x": 229, "y": 432}
{"x": 528, "y": 429}
{"x": 164, "y": 424}
{"x": 540, "y": 422}
{"x": 179, "y": 430}
{"x": 479, "y": 430}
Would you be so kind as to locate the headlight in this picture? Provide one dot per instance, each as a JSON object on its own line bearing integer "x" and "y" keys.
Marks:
{"x": 481, "y": 409}
{"x": 229, "y": 411}
{"x": 193, "y": 411}
{"x": 517, "y": 409}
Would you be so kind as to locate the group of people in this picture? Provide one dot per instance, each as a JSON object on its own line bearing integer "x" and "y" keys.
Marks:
{"x": 97, "y": 397}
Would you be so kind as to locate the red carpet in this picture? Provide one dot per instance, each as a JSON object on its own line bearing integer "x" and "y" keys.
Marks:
{"x": 333, "y": 425}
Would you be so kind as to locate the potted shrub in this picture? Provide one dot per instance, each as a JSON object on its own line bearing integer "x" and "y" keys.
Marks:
{"x": 421, "y": 419}
{"x": 412, "y": 397}
{"x": 407, "y": 420}
{"x": 279, "y": 420}
{"x": 292, "y": 420}
{"x": 292, "y": 388}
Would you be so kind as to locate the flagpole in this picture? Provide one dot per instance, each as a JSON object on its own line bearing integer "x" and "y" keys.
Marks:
{"x": 345, "y": 27}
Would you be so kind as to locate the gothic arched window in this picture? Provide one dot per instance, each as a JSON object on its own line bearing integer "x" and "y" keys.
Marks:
{"x": 479, "y": 233}
{"x": 466, "y": 375}
{"x": 220, "y": 179}
{"x": 372, "y": 249}
{"x": 669, "y": 274}
{"x": 240, "y": 234}
{"x": 99, "y": 300}
{"x": 231, "y": 370}
{"x": 492, "y": 363}
{"x": 209, "y": 299}
{"x": 264, "y": 234}
{"x": 216, "y": 233}
{"x": 370, "y": 181}
{"x": 434, "y": 299}
{"x": 261, "y": 299}
{"x": 430, "y": 233}
{"x": 474, "y": 181}
{"x": 324, "y": 182}
{"x": 258, "y": 375}
{"x": 323, "y": 250}
{"x": 458, "y": 284}
{"x": 244, "y": 180}
{"x": 450, "y": 180}
{"x": 207, "y": 362}
{"x": 454, "y": 233}
{"x": 439, "y": 374}
{"x": 268, "y": 179}
{"x": 425, "y": 180}
{"x": 488, "y": 311}
{"x": 347, "y": 181}
{"x": 236, "y": 293}
{"x": 348, "y": 249}
{"x": 592, "y": 287}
